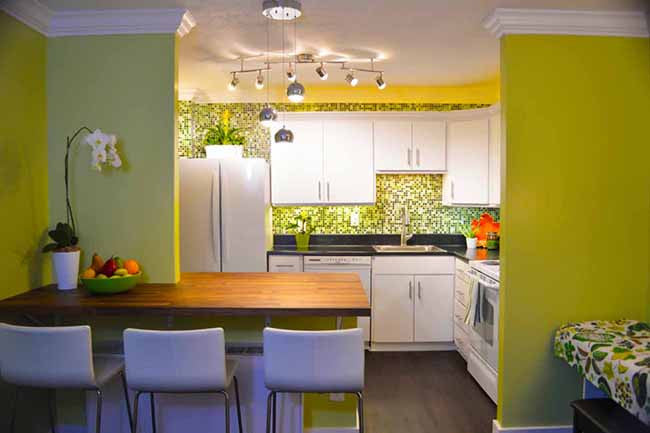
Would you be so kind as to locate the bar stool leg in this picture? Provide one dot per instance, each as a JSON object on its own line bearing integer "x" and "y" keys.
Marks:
{"x": 227, "y": 409}
{"x": 234, "y": 378}
{"x": 153, "y": 412}
{"x": 360, "y": 409}
{"x": 136, "y": 400}
{"x": 269, "y": 403}
{"x": 98, "y": 417}
{"x": 275, "y": 411}
{"x": 51, "y": 406}
{"x": 14, "y": 410}
{"x": 126, "y": 400}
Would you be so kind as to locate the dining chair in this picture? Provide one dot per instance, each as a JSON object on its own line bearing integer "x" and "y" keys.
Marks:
{"x": 187, "y": 362}
{"x": 314, "y": 362}
{"x": 56, "y": 358}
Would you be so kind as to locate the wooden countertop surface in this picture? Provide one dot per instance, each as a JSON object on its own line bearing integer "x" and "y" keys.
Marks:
{"x": 225, "y": 294}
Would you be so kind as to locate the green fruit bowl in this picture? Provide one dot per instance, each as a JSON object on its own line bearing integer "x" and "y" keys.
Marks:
{"x": 110, "y": 286}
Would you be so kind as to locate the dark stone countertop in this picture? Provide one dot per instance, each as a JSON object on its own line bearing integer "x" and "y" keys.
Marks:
{"x": 361, "y": 245}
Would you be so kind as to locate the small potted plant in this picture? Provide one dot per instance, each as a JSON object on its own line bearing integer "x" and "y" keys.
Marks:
{"x": 303, "y": 228}
{"x": 470, "y": 236}
{"x": 223, "y": 140}
{"x": 65, "y": 255}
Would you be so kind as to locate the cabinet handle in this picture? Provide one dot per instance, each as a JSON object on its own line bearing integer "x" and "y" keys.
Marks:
{"x": 410, "y": 290}
{"x": 328, "y": 190}
{"x": 417, "y": 157}
{"x": 419, "y": 290}
{"x": 408, "y": 156}
{"x": 319, "y": 194}
{"x": 452, "y": 189}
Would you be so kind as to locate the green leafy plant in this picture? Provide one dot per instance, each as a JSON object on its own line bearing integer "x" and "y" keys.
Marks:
{"x": 468, "y": 231}
{"x": 223, "y": 133}
{"x": 64, "y": 239}
{"x": 301, "y": 224}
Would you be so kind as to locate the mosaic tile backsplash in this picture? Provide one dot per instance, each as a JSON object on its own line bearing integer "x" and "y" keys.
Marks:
{"x": 420, "y": 193}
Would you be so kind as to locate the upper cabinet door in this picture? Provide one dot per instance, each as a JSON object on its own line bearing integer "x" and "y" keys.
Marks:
{"x": 349, "y": 176}
{"x": 495, "y": 160}
{"x": 467, "y": 158}
{"x": 297, "y": 168}
{"x": 393, "y": 145}
{"x": 429, "y": 146}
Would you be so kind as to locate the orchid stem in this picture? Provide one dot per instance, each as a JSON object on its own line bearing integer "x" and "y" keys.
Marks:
{"x": 69, "y": 216}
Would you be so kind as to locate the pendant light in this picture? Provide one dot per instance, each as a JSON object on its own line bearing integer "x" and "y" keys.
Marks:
{"x": 283, "y": 135}
{"x": 295, "y": 91}
{"x": 267, "y": 116}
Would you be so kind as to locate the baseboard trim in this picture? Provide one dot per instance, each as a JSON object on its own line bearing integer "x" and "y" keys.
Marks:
{"x": 496, "y": 428}
{"x": 412, "y": 347}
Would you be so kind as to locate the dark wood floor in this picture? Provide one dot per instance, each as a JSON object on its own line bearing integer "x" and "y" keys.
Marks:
{"x": 424, "y": 392}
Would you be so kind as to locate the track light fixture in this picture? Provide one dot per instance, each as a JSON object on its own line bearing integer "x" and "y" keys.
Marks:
{"x": 351, "y": 79}
{"x": 322, "y": 73}
{"x": 291, "y": 75}
{"x": 233, "y": 83}
{"x": 259, "y": 81}
{"x": 381, "y": 84}
{"x": 282, "y": 10}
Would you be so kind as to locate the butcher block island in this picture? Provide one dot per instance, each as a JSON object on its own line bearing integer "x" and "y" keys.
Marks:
{"x": 222, "y": 294}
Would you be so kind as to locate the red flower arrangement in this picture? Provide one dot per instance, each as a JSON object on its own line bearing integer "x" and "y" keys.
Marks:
{"x": 483, "y": 226}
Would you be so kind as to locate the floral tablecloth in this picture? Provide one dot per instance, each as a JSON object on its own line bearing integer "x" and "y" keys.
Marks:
{"x": 613, "y": 355}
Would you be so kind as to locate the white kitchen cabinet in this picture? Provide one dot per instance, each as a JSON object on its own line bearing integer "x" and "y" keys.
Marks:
{"x": 495, "y": 160}
{"x": 429, "y": 146}
{"x": 349, "y": 176}
{"x": 461, "y": 304}
{"x": 468, "y": 163}
{"x": 392, "y": 309}
{"x": 412, "y": 299}
{"x": 393, "y": 145}
{"x": 410, "y": 146}
{"x": 297, "y": 168}
{"x": 329, "y": 162}
{"x": 434, "y": 308}
{"x": 279, "y": 263}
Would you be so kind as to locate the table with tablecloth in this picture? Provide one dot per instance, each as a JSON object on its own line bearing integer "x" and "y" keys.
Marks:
{"x": 613, "y": 355}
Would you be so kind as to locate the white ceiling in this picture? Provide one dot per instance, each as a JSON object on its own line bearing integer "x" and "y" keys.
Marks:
{"x": 419, "y": 42}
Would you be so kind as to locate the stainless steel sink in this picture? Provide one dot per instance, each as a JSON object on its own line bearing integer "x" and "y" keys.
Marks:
{"x": 407, "y": 249}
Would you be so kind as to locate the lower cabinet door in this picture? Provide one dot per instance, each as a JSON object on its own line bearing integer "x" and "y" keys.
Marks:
{"x": 434, "y": 308}
{"x": 392, "y": 308}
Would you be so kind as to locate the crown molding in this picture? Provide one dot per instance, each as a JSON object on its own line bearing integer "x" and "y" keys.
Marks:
{"x": 30, "y": 12}
{"x": 566, "y": 22}
{"x": 99, "y": 22}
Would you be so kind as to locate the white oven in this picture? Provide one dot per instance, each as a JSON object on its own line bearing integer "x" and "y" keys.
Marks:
{"x": 483, "y": 361}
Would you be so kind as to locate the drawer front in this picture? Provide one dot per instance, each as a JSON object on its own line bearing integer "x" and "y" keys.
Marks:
{"x": 413, "y": 265}
{"x": 461, "y": 291}
{"x": 285, "y": 263}
{"x": 460, "y": 311}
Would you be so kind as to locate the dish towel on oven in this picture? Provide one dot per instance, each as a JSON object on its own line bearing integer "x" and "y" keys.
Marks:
{"x": 473, "y": 315}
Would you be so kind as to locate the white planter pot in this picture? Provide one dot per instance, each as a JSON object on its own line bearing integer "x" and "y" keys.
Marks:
{"x": 66, "y": 269}
{"x": 471, "y": 243}
{"x": 223, "y": 151}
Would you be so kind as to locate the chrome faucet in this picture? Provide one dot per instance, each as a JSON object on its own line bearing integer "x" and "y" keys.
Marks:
{"x": 406, "y": 221}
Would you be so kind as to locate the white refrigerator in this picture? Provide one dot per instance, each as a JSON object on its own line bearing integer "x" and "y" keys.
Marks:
{"x": 225, "y": 215}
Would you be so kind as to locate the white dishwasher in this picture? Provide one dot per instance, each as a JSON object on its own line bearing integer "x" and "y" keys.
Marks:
{"x": 360, "y": 265}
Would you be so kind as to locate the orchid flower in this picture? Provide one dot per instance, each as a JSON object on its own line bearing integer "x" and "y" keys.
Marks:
{"x": 104, "y": 151}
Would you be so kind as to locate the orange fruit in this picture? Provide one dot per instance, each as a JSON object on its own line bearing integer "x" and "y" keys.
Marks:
{"x": 88, "y": 273}
{"x": 132, "y": 266}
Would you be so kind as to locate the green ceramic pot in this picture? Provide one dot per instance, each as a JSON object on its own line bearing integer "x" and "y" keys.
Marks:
{"x": 302, "y": 241}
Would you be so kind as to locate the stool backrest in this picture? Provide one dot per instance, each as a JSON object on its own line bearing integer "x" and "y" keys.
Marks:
{"x": 47, "y": 357}
{"x": 318, "y": 361}
{"x": 175, "y": 361}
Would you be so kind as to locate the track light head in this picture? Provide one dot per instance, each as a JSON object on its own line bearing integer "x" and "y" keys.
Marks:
{"x": 296, "y": 92}
{"x": 351, "y": 79}
{"x": 233, "y": 83}
{"x": 322, "y": 73}
{"x": 381, "y": 84}
{"x": 291, "y": 75}
{"x": 259, "y": 81}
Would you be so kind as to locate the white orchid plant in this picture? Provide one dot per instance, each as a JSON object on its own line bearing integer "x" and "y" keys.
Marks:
{"x": 103, "y": 148}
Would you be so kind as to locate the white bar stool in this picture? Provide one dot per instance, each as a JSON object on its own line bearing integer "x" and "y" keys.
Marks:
{"x": 56, "y": 357}
{"x": 184, "y": 362}
{"x": 313, "y": 361}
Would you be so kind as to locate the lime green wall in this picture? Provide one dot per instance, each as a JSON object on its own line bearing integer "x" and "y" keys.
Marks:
{"x": 124, "y": 85}
{"x": 575, "y": 210}
{"x": 23, "y": 158}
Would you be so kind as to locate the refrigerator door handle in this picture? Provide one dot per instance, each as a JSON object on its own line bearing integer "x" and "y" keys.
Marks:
{"x": 215, "y": 212}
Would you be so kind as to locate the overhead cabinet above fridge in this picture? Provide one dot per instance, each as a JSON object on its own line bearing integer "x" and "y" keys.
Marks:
{"x": 329, "y": 162}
